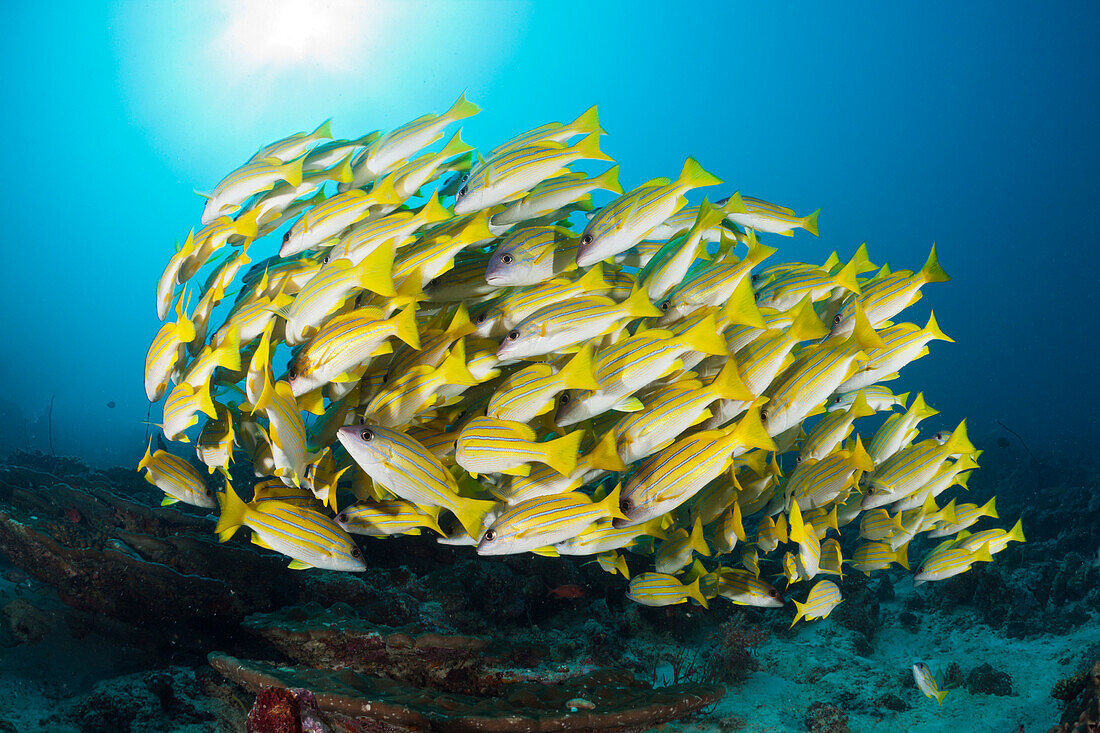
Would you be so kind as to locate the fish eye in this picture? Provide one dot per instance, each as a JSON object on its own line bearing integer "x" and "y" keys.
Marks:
{"x": 480, "y": 318}
{"x": 625, "y": 505}
{"x": 763, "y": 413}
{"x": 385, "y": 378}
{"x": 513, "y": 335}
{"x": 564, "y": 399}
{"x": 292, "y": 373}
{"x": 506, "y": 258}
{"x": 324, "y": 260}
{"x": 356, "y": 552}
{"x": 586, "y": 239}
{"x": 367, "y": 435}
{"x": 836, "y": 320}
{"x": 490, "y": 535}
{"x": 463, "y": 191}
{"x": 664, "y": 306}
{"x": 798, "y": 459}
{"x": 286, "y": 236}
{"x": 342, "y": 517}
{"x": 773, "y": 593}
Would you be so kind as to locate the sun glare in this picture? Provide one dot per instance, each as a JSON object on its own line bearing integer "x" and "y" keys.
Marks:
{"x": 280, "y": 34}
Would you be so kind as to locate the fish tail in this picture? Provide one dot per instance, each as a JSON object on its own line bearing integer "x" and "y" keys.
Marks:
{"x": 809, "y": 223}
{"x": 727, "y": 383}
{"x": 1017, "y": 532}
{"x": 460, "y": 324}
{"x": 404, "y": 326}
{"x": 704, "y": 337}
{"x": 594, "y": 279}
{"x": 454, "y": 369}
{"x": 588, "y": 148}
{"x": 860, "y": 458}
{"x": 933, "y": 329}
{"x": 147, "y": 459}
{"x": 797, "y": 531}
{"x": 694, "y": 591}
{"x": 860, "y": 407}
{"x": 384, "y": 193}
{"x": 375, "y": 271}
{"x": 604, "y": 455}
{"x": 698, "y": 542}
{"x": 621, "y": 566}
{"x": 343, "y": 171}
{"x": 801, "y": 612}
{"x": 232, "y": 513}
{"x": 433, "y": 212}
{"x": 734, "y": 205}
{"x": 806, "y": 324}
{"x": 561, "y": 454}
{"x": 228, "y": 354}
{"x": 693, "y": 176}
{"x": 245, "y": 225}
{"x": 471, "y": 513}
{"x": 921, "y": 409}
{"x": 901, "y": 556}
{"x": 185, "y": 327}
{"x": 940, "y": 695}
{"x": 847, "y": 278}
{"x": 612, "y": 503}
{"x": 750, "y": 432}
{"x": 323, "y": 131}
{"x": 958, "y": 442}
{"x": 740, "y": 309}
{"x": 638, "y": 305}
{"x": 990, "y": 508}
{"x": 609, "y": 180}
{"x": 455, "y": 146}
{"x": 462, "y": 108}
{"x": 292, "y": 171}
{"x": 932, "y": 272}
{"x": 579, "y": 372}
{"x": 588, "y": 122}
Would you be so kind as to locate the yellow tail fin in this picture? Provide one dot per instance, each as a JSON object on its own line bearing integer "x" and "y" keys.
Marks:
{"x": 704, "y": 337}
{"x": 375, "y": 272}
{"x": 1016, "y": 534}
{"x": 561, "y": 454}
{"x": 693, "y": 176}
{"x": 958, "y": 442}
{"x": 740, "y": 309}
{"x": 698, "y": 543}
{"x": 579, "y": 372}
{"x": 433, "y": 212}
{"x": 806, "y": 324}
{"x": 610, "y": 503}
{"x": 404, "y": 326}
{"x": 694, "y": 591}
{"x": 588, "y": 148}
{"x": 471, "y": 514}
{"x": 462, "y": 108}
{"x": 292, "y": 171}
{"x": 604, "y": 455}
{"x": 727, "y": 384}
{"x": 932, "y": 272}
{"x": 593, "y": 280}
{"x": 933, "y": 329}
{"x": 588, "y": 122}
{"x": 809, "y": 223}
{"x": 609, "y": 180}
{"x": 232, "y": 514}
{"x": 750, "y": 432}
{"x": 638, "y": 305}
{"x": 990, "y": 508}
{"x": 454, "y": 370}
{"x": 455, "y": 146}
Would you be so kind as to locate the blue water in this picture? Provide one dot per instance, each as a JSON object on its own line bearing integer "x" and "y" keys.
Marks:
{"x": 970, "y": 125}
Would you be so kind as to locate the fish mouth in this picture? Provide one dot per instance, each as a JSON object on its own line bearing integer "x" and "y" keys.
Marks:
{"x": 586, "y": 257}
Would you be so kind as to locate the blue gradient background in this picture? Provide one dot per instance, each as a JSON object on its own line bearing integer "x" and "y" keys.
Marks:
{"x": 973, "y": 125}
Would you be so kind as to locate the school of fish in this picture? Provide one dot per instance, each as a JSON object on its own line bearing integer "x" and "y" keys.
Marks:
{"x": 468, "y": 344}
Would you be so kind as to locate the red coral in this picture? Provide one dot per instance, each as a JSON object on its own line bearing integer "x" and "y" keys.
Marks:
{"x": 276, "y": 710}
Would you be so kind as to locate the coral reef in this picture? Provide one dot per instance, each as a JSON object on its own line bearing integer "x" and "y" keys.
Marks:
{"x": 824, "y": 717}
{"x": 619, "y": 701}
{"x": 276, "y": 710}
{"x": 1082, "y": 711}
{"x": 734, "y": 646}
{"x": 986, "y": 680}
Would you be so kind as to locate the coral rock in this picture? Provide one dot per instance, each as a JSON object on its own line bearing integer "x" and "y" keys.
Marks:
{"x": 622, "y": 703}
{"x": 276, "y": 710}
